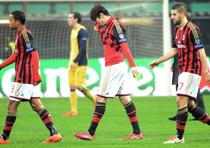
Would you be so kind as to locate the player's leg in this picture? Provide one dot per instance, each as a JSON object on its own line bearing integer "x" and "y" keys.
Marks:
{"x": 187, "y": 88}
{"x": 9, "y": 121}
{"x": 98, "y": 114}
{"x": 46, "y": 119}
{"x": 181, "y": 120}
{"x": 200, "y": 101}
{"x": 81, "y": 83}
{"x": 73, "y": 95}
{"x": 198, "y": 112}
{"x": 131, "y": 112}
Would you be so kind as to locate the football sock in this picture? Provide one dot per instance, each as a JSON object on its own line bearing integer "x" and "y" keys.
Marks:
{"x": 131, "y": 112}
{"x": 98, "y": 114}
{"x": 181, "y": 120}
{"x": 199, "y": 114}
{"x": 9, "y": 122}
{"x": 73, "y": 101}
{"x": 47, "y": 120}
{"x": 88, "y": 94}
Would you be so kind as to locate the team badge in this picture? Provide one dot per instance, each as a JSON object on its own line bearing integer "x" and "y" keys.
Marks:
{"x": 28, "y": 45}
{"x": 121, "y": 36}
{"x": 197, "y": 41}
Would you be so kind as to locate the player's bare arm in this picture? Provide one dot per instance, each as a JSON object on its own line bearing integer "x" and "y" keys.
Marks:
{"x": 204, "y": 62}
{"x": 171, "y": 53}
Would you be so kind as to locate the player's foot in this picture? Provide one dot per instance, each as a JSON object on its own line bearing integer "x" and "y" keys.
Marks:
{"x": 69, "y": 114}
{"x": 174, "y": 140}
{"x": 172, "y": 118}
{"x": 2, "y": 141}
{"x": 53, "y": 139}
{"x": 84, "y": 136}
{"x": 134, "y": 137}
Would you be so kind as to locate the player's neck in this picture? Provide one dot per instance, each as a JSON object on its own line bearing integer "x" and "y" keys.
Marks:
{"x": 76, "y": 26}
{"x": 20, "y": 27}
{"x": 183, "y": 23}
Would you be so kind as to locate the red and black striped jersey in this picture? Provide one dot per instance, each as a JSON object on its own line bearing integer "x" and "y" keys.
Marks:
{"x": 114, "y": 42}
{"x": 188, "y": 41}
{"x": 27, "y": 59}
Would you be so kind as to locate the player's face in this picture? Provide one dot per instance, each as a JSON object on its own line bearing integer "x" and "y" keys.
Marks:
{"x": 101, "y": 20}
{"x": 176, "y": 17}
{"x": 71, "y": 20}
{"x": 12, "y": 22}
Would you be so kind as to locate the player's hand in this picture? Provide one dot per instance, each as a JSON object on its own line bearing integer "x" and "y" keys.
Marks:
{"x": 153, "y": 64}
{"x": 96, "y": 27}
{"x": 72, "y": 65}
{"x": 136, "y": 74}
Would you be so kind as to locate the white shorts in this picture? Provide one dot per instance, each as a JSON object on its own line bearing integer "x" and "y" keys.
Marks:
{"x": 23, "y": 92}
{"x": 188, "y": 84}
{"x": 114, "y": 81}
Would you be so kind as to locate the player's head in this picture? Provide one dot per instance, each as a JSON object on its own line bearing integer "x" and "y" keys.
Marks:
{"x": 96, "y": 12}
{"x": 178, "y": 12}
{"x": 16, "y": 19}
{"x": 73, "y": 18}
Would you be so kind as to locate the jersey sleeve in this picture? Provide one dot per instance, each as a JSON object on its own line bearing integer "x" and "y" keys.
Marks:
{"x": 29, "y": 42}
{"x": 119, "y": 34}
{"x": 195, "y": 35}
{"x": 82, "y": 41}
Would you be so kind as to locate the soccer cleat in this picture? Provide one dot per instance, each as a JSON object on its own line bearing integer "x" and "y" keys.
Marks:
{"x": 69, "y": 114}
{"x": 134, "y": 137}
{"x": 84, "y": 136}
{"x": 174, "y": 140}
{"x": 172, "y": 118}
{"x": 2, "y": 141}
{"x": 53, "y": 139}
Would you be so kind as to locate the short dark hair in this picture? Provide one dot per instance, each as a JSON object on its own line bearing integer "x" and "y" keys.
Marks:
{"x": 180, "y": 7}
{"x": 96, "y": 10}
{"x": 78, "y": 16}
{"x": 19, "y": 15}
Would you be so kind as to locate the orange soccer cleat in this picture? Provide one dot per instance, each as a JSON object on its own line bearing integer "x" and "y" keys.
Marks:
{"x": 69, "y": 114}
{"x": 53, "y": 139}
{"x": 2, "y": 141}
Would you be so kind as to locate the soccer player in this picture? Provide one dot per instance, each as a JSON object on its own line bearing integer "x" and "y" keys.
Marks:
{"x": 114, "y": 82}
{"x": 199, "y": 100}
{"x": 192, "y": 62}
{"x": 27, "y": 79}
{"x": 78, "y": 62}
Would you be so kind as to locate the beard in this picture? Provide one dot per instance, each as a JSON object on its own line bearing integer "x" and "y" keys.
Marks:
{"x": 178, "y": 22}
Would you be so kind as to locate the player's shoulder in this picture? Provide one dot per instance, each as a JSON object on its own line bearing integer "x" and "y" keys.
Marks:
{"x": 192, "y": 26}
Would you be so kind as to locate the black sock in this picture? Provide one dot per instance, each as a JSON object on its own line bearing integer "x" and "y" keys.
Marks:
{"x": 9, "y": 122}
{"x": 98, "y": 114}
{"x": 181, "y": 120}
{"x": 131, "y": 112}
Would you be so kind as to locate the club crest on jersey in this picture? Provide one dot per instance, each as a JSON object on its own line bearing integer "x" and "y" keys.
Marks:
{"x": 183, "y": 37}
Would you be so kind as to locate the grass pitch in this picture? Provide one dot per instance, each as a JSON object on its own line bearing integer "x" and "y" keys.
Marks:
{"x": 153, "y": 113}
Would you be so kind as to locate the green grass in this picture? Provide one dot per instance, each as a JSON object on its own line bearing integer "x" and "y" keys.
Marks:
{"x": 153, "y": 113}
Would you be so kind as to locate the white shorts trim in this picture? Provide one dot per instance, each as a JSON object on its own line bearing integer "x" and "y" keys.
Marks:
{"x": 188, "y": 84}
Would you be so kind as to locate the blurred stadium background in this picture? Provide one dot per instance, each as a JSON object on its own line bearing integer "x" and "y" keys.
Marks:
{"x": 144, "y": 21}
